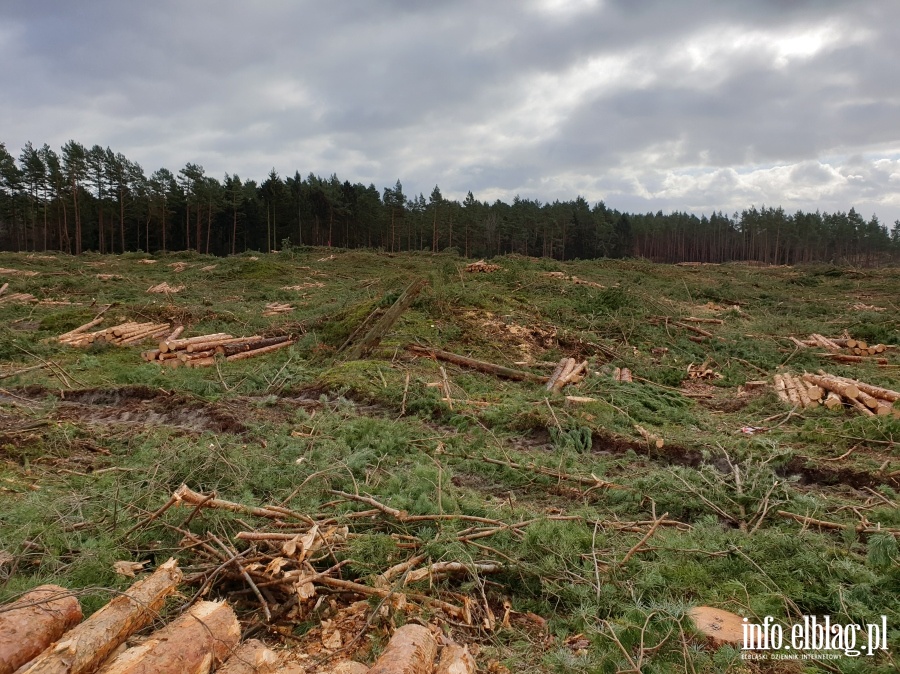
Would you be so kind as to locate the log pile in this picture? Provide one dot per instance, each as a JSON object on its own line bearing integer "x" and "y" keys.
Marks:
{"x": 15, "y": 297}
{"x": 123, "y": 334}
{"x": 835, "y": 392}
{"x": 42, "y": 633}
{"x": 568, "y": 371}
{"x": 201, "y": 351}
{"x": 275, "y": 308}
{"x": 482, "y": 267}
{"x": 840, "y": 347}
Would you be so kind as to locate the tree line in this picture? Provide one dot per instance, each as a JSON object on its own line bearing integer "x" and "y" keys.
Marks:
{"x": 81, "y": 199}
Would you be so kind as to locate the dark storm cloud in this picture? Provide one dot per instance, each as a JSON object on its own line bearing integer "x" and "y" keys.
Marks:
{"x": 646, "y": 105}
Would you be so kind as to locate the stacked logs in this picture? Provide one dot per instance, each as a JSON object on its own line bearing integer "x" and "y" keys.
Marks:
{"x": 854, "y": 350}
{"x": 482, "y": 267}
{"x": 275, "y": 308}
{"x": 201, "y": 351}
{"x": 568, "y": 371}
{"x": 123, "y": 334}
{"x": 42, "y": 633}
{"x": 15, "y": 297}
{"x": 834, "y": 392}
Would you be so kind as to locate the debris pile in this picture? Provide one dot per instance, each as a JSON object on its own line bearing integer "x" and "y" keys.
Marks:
{"x": 179, "y": 267}
{"x": 834, "y": 392}
{"x": 573, "y": 279}
{"x": 275, "y": 308}
{"x": 201, "y": 351}
{"x": 164, "y": 288}
{"x": 123, "y": 334}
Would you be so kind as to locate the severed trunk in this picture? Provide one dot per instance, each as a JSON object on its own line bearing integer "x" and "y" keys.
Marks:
{"x": 33, "y": 622}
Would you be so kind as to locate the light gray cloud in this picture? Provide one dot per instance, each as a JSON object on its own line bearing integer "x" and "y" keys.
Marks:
{"x": 646, "y": 105}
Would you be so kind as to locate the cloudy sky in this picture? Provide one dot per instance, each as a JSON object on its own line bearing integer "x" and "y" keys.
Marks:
{"x": 645, "y": 104}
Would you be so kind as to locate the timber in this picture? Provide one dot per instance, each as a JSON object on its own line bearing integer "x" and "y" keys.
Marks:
{"x": 191, "y": 644}
{"x": 411, "y": 650}
{"x": 383, "y": 325}
{"x": 251, "y": 657}
{"x": 456, "y": 659}
{"x": 842, "y": 388}
{"x": 33, "y": 622}
{"x": 86, "y": 646}
{"x": 253, "y": 344}
{"x": 480, "y": 365}
{"x": 256, "y": 352}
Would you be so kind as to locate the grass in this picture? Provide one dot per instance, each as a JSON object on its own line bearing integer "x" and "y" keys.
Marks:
{"x": 80, "y": 469}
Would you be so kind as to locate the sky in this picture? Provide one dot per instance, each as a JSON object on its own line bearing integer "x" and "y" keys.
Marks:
{"x": 647, "y": 105}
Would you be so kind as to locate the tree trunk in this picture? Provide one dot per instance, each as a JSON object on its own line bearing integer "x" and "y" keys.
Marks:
{"x": 193, "y": 643}
{"x": 480, "y": 365}
{"x": 386, "y": 322}
{"x": 30, "y": 624}
{"x": 88, "y": 645}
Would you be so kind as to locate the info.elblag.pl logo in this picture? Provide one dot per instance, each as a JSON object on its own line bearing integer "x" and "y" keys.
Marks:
{"x": 814, "y": 637}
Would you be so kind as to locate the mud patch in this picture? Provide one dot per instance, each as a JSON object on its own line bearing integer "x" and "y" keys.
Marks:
{"x": 142, "y": 406}
{"x": 822, "y": 476}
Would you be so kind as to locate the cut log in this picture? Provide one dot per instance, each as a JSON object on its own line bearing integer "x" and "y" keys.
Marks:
{"x": 175, "y": 334}
{"x": 4, "y": 288}
{"x": 87, "y": 645}
{"x": 625, "y": 375}
{"x": 456, "y": 659}
{"x": 81, "y": 329}
{"x": 876, "y": 391}
{"x": 800, "y": 387}
{"x": 193, "y": 643}
{"x": 693, "y": 328}
{"x": 563, "y": 377}
{"x": 252, "y": 353}
{"x": 814, "y": 392}
{"x": 207, "y": 361}
{"x": 825, "y": 342}
{"x": 174, "y": 344}
{"x": 833, "y": 401}
{"x": 843, "y": 358}
{"x": 251, "y": 345}
{"x": 791, "y": 388}
{"x": 862, "y": 409}
{"x": 184, "y": 356}
{"x": 573, "y": 377}
{"x": 781, "y": 389}
{"x": 383, "y": 325}
{"x": 842, "y": 388}
{"x": 480, "y": 365}
{"x": 33, "y": 622}
{"x": 557, "y": 372}
{"x": 213, "y": 343}
{"x": 721, "y": 626}
{"x": 411, "y": 650}
{"x": 251, "y": 657}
